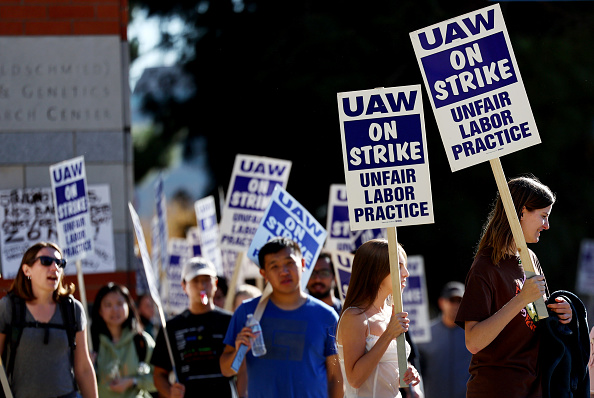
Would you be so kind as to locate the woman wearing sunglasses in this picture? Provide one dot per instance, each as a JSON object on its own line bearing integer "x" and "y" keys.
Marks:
{"x": 43, "y": 363}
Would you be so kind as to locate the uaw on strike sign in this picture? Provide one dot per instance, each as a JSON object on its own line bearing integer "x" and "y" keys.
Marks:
{"x": 475, "y": 87}
{"x": 385, "y": 157}
{"x": 69, "y": 184}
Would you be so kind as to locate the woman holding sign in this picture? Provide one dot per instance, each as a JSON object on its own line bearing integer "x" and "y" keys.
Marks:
{"x": 497, "y": 311}
{"x": 43, "y": 329}
{"x": 367, "y": 329}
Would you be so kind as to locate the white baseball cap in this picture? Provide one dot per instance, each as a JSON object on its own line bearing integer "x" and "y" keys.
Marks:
{"x": 197, "y": 266}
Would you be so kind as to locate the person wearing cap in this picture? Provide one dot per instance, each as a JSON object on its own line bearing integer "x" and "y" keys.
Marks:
{"x": 196, "y": 338}
{"x": 301, "y": 360}
{"x": 445, "y": 359}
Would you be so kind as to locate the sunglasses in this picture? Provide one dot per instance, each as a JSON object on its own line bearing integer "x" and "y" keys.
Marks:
{"x": 46, "y": 261}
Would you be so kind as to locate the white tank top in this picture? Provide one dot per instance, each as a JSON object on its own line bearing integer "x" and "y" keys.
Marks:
{"x": 384, "y": 381}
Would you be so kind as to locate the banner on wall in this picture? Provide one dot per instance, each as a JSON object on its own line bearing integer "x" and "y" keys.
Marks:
{"x": 27, "y": 217}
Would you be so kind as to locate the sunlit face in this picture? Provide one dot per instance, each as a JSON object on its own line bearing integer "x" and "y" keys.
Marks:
{"x": 44, "y": 279}
{"x": 199, "y": 284}
{"x": 114, "y": 309}
{"x": 321, "y": 282}
{"x": 387, "y": 282}
{"x": 283, "y": 270}
{"x": 533, "y": 222}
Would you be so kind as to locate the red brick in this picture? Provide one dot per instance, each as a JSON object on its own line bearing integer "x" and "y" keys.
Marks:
{"x": 71, "y": 12}
{"x": 111, "y": 11}
{"x": 48, "y": 28}
{"x": 96, "y": 28}
{"x": 11, "y": 28}
{"x": 39, "y": 2}
{"x": 10, "y": 2}
{"x": 23, "y": 12}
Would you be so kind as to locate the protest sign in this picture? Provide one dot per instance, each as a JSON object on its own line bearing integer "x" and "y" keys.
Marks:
{"x": 286, "y": 217}
{"x": 385, "y": 157}
{"x": 414, "y": 299}
{"x": 151, "y": 280}
{"x": 386, "y": 169}
{"x": 27, "y": 217}
{"x": 475, "y": 87}
{"x": 206, "y": 216}
{"x": 337, "y": 222}
{"x": 174, "y": 296}
{"x": 585, "y": 276}
{"x": 161, "y": 211}
{"x": 362, "y": 236}
{"x": 69, "y": 186}
{"x": 479, "y": 101}
{"x": 342, "y": 262}
{"x": 250, "y": 188}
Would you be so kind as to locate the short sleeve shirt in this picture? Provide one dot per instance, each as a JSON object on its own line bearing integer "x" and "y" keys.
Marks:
{"x": 297, "y": 344}
{"x": 513, "y": 355}
{"x": 40, "y": 369}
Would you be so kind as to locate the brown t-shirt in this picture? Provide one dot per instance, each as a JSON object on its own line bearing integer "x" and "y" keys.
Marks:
{"x": 508, "y": 367}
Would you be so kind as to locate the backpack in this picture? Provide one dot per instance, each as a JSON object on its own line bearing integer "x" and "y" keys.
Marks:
{"x": 18, "y": 323}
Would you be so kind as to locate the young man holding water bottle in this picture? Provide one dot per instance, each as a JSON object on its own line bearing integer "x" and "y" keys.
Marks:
{"x": 196, "y": 337}
{"x": 299, "y": 333}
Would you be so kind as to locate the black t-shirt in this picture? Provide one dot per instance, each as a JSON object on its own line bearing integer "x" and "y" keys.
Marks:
{"x": 197, "y": 344}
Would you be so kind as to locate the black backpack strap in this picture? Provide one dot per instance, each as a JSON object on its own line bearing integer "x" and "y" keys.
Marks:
{"x": 17, "y": 324}
{"x": 140, "y": 345}
{"x": 67, "y": 309}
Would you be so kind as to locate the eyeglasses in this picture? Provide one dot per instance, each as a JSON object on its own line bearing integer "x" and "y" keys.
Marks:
{"x": 323, "y": 273}
{"x": 46, "y": 261}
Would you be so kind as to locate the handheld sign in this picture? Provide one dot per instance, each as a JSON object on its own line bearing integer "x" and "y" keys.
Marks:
{"x": 163, "y": 235}
{"x": 337, "y": 222}
{"x": 386, "y": 170}
{"x": 206, "y": 217}
{"x": 250, "y": 188}
{"x": 286, "y": 217}
{"x": 151, "y": 280}
{"x": 69, "y": 186}
{"x": 178, "y": 252}
{"x": 475, "y": 87}
{"x": 342, "y": 262}
{"x": 479, "y": 100}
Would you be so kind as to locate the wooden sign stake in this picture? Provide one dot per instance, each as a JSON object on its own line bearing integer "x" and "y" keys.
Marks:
{"x": 514, "y": 223}
{"x": 393, "y": 250}
{"x": 233, "y": 282}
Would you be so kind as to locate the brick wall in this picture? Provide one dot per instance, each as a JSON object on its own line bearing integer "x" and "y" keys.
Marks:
{"x": 63, "y": 17}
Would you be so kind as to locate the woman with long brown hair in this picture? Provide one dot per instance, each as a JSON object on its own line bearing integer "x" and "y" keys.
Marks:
{"x": 45, "y": 363}
{"x": 500, "y": 332}
{"x": 368, "y": 328}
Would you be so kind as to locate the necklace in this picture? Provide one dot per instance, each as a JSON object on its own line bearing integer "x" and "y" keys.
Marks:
{"x": 378, "y": 310}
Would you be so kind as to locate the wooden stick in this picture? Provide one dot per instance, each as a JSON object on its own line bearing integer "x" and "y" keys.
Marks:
{"x": 233, "y": 283}
{"x": 83, "y": 299}
{"x": 516, "y": 228}
{"x": 397, "y": 295}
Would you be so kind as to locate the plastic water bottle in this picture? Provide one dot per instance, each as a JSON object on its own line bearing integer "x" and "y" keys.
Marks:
{"x": 258, "y": 346}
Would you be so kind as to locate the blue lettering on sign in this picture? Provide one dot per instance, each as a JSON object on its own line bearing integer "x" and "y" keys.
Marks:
{"x": 252, "y": 193}
{"x": 71, "y": 200}
{"x": 384, "y": 142}
{"x": 376, "y": 104}
{"x": 279, "y": 222}
{"x": 340, "y": 222}
{"x": 455, "y": 31}
{"x": 63, "y": 174}
{"x": 249, "y": 166}
{"x": 469, "y": 70}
